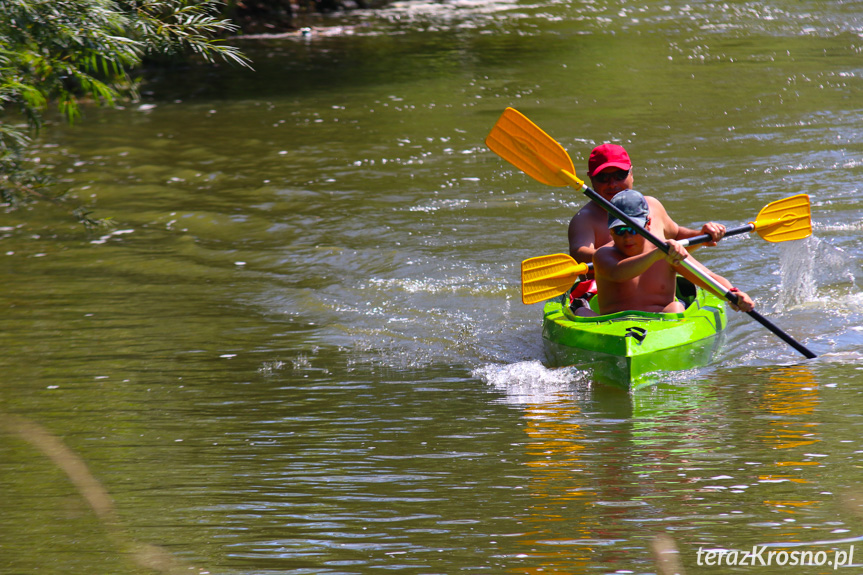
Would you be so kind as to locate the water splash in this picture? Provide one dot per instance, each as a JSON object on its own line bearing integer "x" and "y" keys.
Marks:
{"x": 808, "y": 266}
{"x": 530, "y": 382}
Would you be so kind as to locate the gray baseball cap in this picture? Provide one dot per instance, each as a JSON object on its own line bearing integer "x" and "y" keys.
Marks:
{"x": 632, "y": 204}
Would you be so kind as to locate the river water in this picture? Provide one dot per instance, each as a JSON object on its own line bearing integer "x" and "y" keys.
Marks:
{"x": 300, "y": 348}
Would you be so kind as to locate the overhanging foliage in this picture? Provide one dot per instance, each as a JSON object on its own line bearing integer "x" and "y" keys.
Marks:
{"x": 62, "y": 51}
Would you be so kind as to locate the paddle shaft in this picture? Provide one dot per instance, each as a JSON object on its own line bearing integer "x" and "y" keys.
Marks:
{"x": 704, "y": 238}
{"x": 698, "y": 270}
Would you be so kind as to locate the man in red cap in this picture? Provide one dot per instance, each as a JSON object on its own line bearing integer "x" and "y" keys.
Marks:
{"x": 610, "y": 171}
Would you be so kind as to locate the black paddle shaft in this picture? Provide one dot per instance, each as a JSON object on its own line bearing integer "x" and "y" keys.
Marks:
{"x": 704, "y": 238}
{"x": 729, "y": 295}
{"x": 781, "y": 334}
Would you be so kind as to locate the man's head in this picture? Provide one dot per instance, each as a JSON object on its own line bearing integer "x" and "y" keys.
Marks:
{"x": 607, "y": 156}
{"x": 610, "y": 170}
{"x": 634, "y": 205}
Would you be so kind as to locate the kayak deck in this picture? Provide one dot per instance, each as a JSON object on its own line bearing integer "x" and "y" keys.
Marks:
{"x": 623, "y": 349}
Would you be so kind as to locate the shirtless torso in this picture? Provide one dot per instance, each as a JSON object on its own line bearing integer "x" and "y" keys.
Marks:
{"x": 632, "y": 274}
{"x": 623, "y": 286}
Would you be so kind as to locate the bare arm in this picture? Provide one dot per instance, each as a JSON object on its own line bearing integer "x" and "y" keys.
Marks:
{"x": 611, "y": 264}
{"x": 581, "y": 239}
{"x": 673, "y": 231}
{"x": 744, "y": 302}
{"x": 713, "y": 229}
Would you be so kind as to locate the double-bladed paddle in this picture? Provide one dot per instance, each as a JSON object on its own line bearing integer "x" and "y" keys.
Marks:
{"x": 523, "y": 144}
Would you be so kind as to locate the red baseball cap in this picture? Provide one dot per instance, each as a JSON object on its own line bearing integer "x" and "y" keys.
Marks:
{"x": 607, "y": 155}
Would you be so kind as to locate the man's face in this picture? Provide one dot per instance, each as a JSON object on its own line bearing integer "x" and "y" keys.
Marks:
{"x": 610, "y": 181}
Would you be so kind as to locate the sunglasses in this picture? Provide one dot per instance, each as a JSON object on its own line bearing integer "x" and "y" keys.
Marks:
{"x": 623, "y": 230}
{"x": 605, "y": 177}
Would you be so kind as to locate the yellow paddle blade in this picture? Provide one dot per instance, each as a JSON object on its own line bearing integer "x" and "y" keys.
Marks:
{"x": 545, "y": 277}
{"x": 783, "y": 220}
{"x": 524, "y": 145}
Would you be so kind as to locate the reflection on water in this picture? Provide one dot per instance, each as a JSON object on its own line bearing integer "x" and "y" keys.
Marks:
{"x": 669, "y": 462}
{"x": 576, "y": 499}
{"x": 789, "y": 400}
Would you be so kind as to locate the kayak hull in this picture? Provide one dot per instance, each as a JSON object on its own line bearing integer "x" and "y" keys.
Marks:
{"x": 627, "y": 349}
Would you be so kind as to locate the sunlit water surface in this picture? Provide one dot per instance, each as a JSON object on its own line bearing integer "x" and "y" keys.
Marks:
{"x": 301, "y": 347}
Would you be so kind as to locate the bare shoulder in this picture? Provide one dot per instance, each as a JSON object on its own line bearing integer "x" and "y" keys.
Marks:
{"x": 659, "y": 214}
{"x": 589, "y": 214}
{"x": 655, "y": 206}
{"x": 582, "y": 220}
{"x": 587, "y": 210}
{"x": 608, "y": 255}
{"x": 587, "y": 230}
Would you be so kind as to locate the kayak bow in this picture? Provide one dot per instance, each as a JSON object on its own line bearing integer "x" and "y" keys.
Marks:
{"x": 625, "y": 348}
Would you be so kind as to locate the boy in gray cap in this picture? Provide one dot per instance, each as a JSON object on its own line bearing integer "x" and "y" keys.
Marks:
{"x": 632, "y": 274}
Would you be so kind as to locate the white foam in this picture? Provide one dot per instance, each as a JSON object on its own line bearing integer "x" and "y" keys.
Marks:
{"x": 113, "y": 234}
{"x": 532, "y": 382}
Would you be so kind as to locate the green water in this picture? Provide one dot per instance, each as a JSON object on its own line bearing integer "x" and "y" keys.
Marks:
{"x": 301, "y": 347}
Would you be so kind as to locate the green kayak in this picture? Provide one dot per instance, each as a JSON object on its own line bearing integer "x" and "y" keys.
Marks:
{"x": 626, "y": 348}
